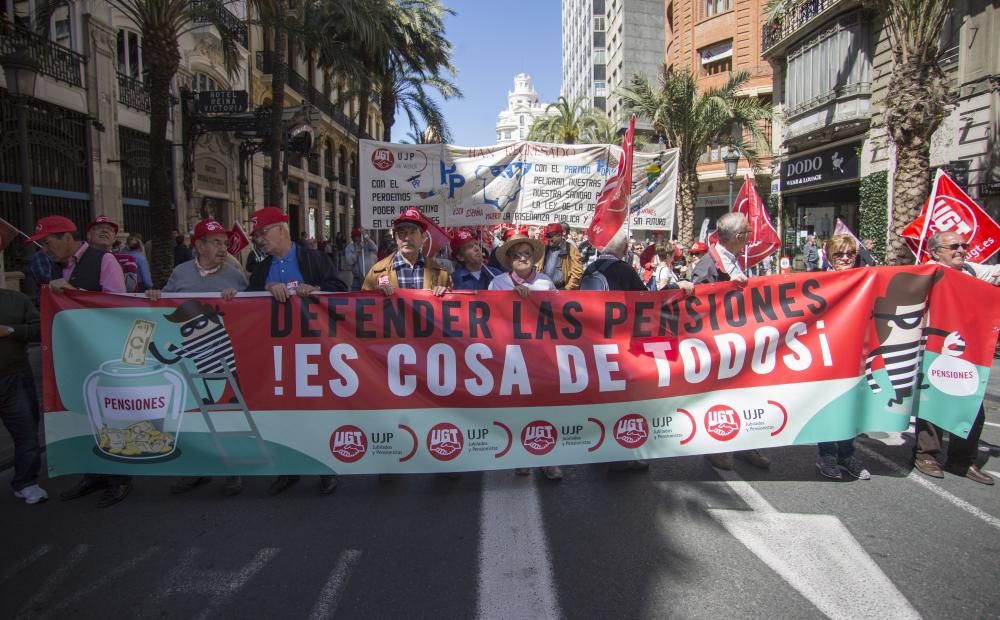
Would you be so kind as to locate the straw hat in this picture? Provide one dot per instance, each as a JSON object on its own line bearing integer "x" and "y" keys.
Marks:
{"x": 537, "y": 249}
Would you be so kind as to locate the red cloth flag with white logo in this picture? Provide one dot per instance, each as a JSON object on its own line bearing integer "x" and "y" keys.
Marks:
{"x": 237, "y": 239}
{"x": 437, "y": 238}
{"x": 763, "y": 240}
{"x": 951, "y": 209}
{"x": 7, "y": 234}
{"x": 612, "y": 202}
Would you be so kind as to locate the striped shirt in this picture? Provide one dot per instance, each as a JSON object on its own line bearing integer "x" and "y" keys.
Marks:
{"x": 211, "y": 352}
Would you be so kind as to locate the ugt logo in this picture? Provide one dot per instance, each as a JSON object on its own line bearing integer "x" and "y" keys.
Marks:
{"x": 444, "y": 441}
{"x": 539, "y": 437}
{"x": 382, "y": 159}
{"x": 722, "y": 422}
{"x": 631, "y": 431}
{"x": 348, "y": 444}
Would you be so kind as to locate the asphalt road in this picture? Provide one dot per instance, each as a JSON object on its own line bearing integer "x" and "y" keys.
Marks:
{"x": 679, "y": 541}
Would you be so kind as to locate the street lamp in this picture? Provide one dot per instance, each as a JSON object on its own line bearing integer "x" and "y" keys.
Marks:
{"x": 731, "y": 159}
{"x": 21, "y": 71}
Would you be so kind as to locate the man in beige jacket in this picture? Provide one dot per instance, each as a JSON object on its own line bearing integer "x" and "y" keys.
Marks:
{"x": 407, "y": 267}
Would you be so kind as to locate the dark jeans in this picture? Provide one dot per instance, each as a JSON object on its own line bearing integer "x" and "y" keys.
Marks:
{"x": 962, "y": 453}
{"x": 841, "y": 450}
{"x": 356, "y": 284}
{"x": 19, "y": 412}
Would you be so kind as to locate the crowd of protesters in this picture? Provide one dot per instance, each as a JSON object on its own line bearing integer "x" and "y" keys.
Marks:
{"x": 521, "y": 260}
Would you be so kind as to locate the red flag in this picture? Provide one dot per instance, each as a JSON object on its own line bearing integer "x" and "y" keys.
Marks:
{"x": 612, "y": 202}
{"x": 954, "y": 211}
{"x": 437, "y": 238}
{"x": 237, "y": 239}
{"x": 7, "y": 234}
{"x": 763, "y": 239}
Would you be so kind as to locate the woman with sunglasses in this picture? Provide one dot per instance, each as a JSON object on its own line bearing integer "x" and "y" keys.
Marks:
{"x": 836, "y": 458}
{"x": 519, "y": 255}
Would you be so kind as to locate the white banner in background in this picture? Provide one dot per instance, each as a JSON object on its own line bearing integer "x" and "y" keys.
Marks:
{"x": 520, "y": 183}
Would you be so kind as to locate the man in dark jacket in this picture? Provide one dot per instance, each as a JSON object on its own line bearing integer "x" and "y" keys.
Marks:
{"x": 290, "y": 269}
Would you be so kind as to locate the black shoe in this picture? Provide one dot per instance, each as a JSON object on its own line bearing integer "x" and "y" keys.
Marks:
{"x": 327, "y": 484}
{"x": 827, "y": 466}
{"x": 86, "y": 486}
{"x": 188, "y": 483}
{"x": 281, "y": 483}
{"x": 114, "y": 494}
{"x": 234, "y": 486}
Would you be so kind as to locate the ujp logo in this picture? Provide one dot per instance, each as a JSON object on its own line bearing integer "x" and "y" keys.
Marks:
{"x": 631, "y": 431}
{"x": 348, "y": 444}
{"x": 539, "y": 437}
{"x": 444, "y": 441}
{"x": 382, "y": 159}
{"x": 722, "y": 422}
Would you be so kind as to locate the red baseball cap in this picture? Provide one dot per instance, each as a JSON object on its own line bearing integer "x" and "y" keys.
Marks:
{"x": 102, "y": 219}
{"x": 207, "y": 227}
{"x": 410, "y": 216}
{"x": 50, "y": 225}
{"x": 460, "y": 240}
{"x": 265, "y": 217}
{"x": 355, "y": 233}
{"x": 555, "y": 228}
{"x": 507, "y": 232}
{"x": 698, "y": 247}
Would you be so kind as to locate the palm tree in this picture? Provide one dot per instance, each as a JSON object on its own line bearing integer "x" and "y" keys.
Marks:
{"x": 693, "y": 121}
{"x": 565, "y": 122}
{"x": 603, "y": 130}
{"x": 920, "y": 101}
{"x": 162, "y": 23}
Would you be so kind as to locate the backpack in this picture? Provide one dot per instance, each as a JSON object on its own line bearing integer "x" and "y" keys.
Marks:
{"x": 130, "y": 269}
{"x": 594, "y": 279}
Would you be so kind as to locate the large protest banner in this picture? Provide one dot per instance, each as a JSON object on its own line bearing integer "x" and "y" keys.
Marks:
{"x": 519, "y": 183}
{"x": 362, "y": 383}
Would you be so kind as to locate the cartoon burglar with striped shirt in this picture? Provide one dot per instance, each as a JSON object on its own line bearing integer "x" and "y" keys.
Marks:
{"x": 204, "y": 341}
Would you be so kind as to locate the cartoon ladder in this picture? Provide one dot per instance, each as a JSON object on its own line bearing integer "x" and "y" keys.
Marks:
{"x": 192, "y": 379}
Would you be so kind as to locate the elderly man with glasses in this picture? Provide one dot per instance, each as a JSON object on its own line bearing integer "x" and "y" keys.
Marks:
{"x": 722, "y": 264}
{"x": 949, "y": 249}
{"x": 290, "y": 269}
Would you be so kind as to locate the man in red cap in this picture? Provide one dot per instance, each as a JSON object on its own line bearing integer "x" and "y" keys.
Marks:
{"x": 90, "y": 269}
{"x": 101, "y": 233}
{"x": 471, "y": 274}
{"x": 360, "y": 255}
{"x": 562, "y": 260}
{"x": 407, "y": 267}
{"x": 290, "y": 269}
{"x": 81, "y": 266}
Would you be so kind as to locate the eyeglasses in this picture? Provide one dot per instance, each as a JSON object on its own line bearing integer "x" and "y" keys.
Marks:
{"x": 743, "y": 233}
{"x": 954, "y": 246}
{"x": 844, "y": 254}
{"x": 260, "y": 234}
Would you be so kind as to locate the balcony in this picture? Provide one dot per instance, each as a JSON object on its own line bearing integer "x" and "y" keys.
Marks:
{"x": 794, "y": 20}
{"x": 133, "y": 93}
{"x": 846, "y": 109}
{"x": 234, "y": 25}
{"x": 54, "y": 60}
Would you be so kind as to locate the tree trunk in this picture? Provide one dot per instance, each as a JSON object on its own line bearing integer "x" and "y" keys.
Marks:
{"x": 364, "y": 97}
{"x": 687, "y": 195}
{"x": 162, "y": 59}
{"x": 909, "y": 192}
{"x": 388, "y": 112}
{"x": 279, "y": 75}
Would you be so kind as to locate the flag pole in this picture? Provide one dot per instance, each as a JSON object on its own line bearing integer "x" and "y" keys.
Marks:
{"x": 930, "y": 213}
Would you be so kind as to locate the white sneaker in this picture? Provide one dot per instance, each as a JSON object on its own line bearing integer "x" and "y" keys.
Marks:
{"x": 32, "y": 494}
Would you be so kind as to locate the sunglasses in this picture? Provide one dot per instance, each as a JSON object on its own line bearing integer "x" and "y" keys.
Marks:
{"x": 954, "y": 246}
{"x": 844, "y": 254}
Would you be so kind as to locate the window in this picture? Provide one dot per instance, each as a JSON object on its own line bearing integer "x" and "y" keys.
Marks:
{"x": 714, "y": 7}
{"x": 598, "y": 39}
{"x": 717, "y": 58}
{"x": 521, "y": 120}
{"x": 600, "y": 89}
{"x": 129, "y": 54}
{"x": 598, "y": 24}
{"x": 521, "y": 133}
{"x": 600, "y": 56}
{"x": 61, "y": 30}
{"x": 838, "y": 62}
{"x": 202, "y": 82}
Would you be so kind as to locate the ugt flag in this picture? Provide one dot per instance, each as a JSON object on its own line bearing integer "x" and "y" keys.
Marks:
{"x": 953, "y": 210}
{"x": 612, "y": 202}
{"x": 237, "y": 239}
{"x": 7, "y": 233}
{"x": 763, "y": 239}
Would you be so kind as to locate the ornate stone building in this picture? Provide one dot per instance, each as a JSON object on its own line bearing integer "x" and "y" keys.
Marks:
{"x": 523, "y": 109}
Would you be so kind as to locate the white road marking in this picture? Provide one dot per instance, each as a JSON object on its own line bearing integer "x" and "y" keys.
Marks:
{"x": 992, "y": 473}
{"x": 21, "y": 565}
{"x": 326, "y": 604}
{"x": 992, "y": 424}
{"x": 40, "y": 598}
{"x": 805, "y": 549}
{"x": 515, "y": 568}
{"x": 913, "y": 476}
{"x": 93, "y": 586}
{"x": 219, "y": 585}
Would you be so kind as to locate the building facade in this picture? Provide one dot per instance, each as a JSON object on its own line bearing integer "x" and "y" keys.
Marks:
{"x": 832, "y": 66}
{"x": 523, "y": 109}
{"x": 713, "y": 38}
{"x": 635, "y": 38}
{"x": 584, "y": 52}
{"x": 88, "y": 126}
